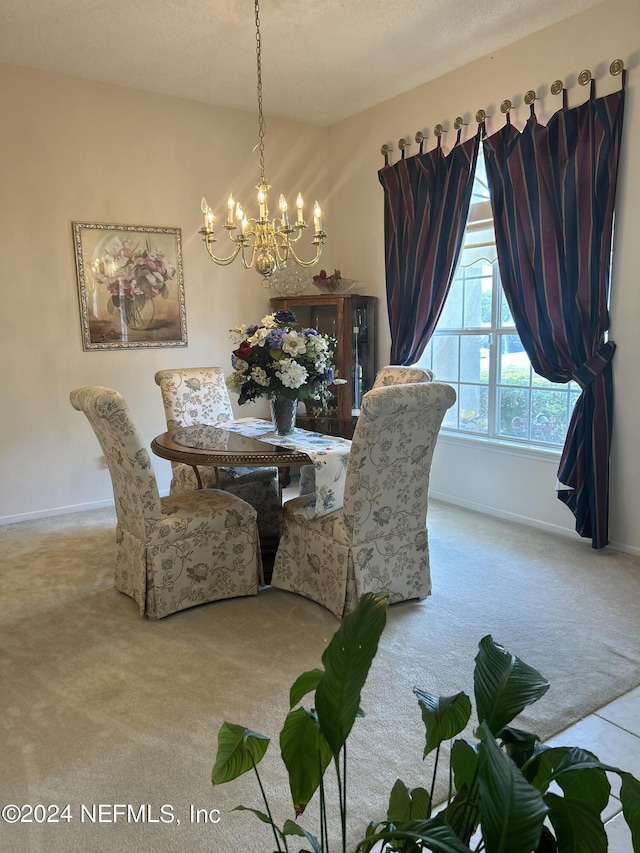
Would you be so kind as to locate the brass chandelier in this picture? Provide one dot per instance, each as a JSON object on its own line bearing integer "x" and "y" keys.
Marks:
{"x": 262, "y": 243}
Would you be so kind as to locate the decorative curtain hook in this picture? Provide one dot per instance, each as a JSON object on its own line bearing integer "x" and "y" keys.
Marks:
{"x": 420, "y": 137}
{"x": 616, "y": 67}
{"x": 385, "y": 153}
{"x": 402, "y": 144}
{"x": 505, "y": 108}
{"x": 556, "y": 87}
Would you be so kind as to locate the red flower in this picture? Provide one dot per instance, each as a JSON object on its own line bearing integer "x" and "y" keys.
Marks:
{"x": 243, "y": 350}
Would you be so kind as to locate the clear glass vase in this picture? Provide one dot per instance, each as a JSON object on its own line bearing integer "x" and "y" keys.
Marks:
{"x": 283, "y": 415}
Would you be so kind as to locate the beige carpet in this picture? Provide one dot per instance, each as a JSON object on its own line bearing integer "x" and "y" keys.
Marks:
{"x": 100, "y": 707}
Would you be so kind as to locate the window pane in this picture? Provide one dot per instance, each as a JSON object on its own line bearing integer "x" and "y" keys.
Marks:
{"x": 451, "y": 317}
{"x": 474, "y": 406}
{"x": 477, "y": 297}
{"x": 513, "y": 412}
{"x": 474, "y": 358}
{"x": 549, "y": 416}
{"x": 515, "y": 368}
{"x": 445, "y": 357}
{"x": 505, "y": 316}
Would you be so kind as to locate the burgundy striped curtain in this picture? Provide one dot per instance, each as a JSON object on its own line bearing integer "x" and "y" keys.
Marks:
{"x": 552, "y": 192}
{"x": 426, "y": 203}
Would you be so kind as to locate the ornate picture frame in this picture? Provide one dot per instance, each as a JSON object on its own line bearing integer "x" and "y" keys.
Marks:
{"x": 130, "y": 286}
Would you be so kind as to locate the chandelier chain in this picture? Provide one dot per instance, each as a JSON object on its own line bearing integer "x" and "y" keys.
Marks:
{"x": 261, "y": 124}
{"x": 263, "y": 243}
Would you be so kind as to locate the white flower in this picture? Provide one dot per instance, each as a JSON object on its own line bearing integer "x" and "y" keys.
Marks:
{"x": 234, "y": 381}
{"x": 269, "y": 321}
{"x": 259, "y": 336}
{"x": 291, "y": 374}
{"x": 259, "y": 376}
{"x": 320, "y": 344}
{"x": 241, "y": 365}
{"x": 238, "y": 334}
{"x": 294, "y": 343}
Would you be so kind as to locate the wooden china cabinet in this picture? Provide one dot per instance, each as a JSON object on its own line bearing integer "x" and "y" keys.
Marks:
{"x": 351, "y": 320}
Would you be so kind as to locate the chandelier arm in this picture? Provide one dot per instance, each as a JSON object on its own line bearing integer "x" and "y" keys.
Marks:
{"x": 306, "y": 263}
{"x": 223, "y": 261}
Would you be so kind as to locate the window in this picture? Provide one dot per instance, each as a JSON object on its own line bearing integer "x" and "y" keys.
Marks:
{"x": 476, "y": 349}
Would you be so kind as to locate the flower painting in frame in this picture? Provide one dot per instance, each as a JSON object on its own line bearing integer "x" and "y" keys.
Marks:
{"x": 130, "y": 286}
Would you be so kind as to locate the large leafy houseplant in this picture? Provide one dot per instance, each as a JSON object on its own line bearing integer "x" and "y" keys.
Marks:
{"x": 501, "y": 798}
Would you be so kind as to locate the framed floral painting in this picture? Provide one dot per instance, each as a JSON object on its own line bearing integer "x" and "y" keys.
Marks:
{"x": 130, "y": 286}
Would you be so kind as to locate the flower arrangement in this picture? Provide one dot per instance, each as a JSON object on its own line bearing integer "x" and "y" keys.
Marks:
{"x": 274, "y": 359}
{"x": 132, "y": 275}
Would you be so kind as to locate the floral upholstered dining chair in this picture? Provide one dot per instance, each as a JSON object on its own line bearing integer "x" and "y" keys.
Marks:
{"x": 396, "y": 374}
{"x": 198, "y": 395}
{"x": 392, "y": 374}
{"x": 172, "y": 552}
{"x": 377, "y": 542}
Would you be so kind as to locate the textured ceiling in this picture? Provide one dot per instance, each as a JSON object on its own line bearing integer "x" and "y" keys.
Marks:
{"x": 322, "y": 61}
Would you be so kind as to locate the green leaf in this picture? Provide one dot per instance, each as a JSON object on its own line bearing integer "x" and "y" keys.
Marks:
{"x": 347, "y": 660}
{"x": 444, "y": 717}
{"x": 576, "y": 826}
{"x": 407, "y": 803}
{"x": 433, "y": 832}
{"x": 261, "y": 815}
{"x": 503, "y": 685}
{"x": 292, "y": 828}
{"x": 239, "y": 749}
{"x": 306, "y": 755}
{"x": 578, "y": 772}
{"x": 464, "y": 763}
{"x": 630, "y": 797}
{"x": 463, "y": 813}
{"x": 303, "y": 685}
{"x": 512, "y": 811}
{"x": 519, "y": 745}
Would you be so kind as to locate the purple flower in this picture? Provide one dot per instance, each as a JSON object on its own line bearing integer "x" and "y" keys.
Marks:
{"x": 274, "y": 338}
{"x": 251, "y": 330}
{"x": 308, "y": 332}
{"x": 284, "y": 317}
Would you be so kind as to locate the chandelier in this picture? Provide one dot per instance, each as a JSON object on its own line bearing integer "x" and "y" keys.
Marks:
{"x": 262, "y": 243}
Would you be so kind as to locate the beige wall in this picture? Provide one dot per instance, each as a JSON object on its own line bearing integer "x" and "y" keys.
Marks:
{"x": 74, "y": 150}
{"x": 506, "y": 482}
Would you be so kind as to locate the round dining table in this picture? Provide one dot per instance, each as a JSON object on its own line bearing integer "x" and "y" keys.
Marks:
{"x": 203, "y": 444}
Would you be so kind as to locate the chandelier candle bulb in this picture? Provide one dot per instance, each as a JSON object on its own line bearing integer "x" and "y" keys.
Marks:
{"x": 299, "y": 204}
{"x": 283, "y": 211}
{"x": 262, "y": 202}
{"x": 230, "y": 208}
{"x": 317, "y": 218}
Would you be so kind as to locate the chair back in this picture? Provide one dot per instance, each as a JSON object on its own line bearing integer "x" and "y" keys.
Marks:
{"x": 395, "y": 374}
{"x": 194, "y": 395}
{"x": 387, "y": 481}
{"x": 135, "y": 489}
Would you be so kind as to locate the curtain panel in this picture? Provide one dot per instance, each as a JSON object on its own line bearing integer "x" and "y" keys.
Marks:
{"x": 552, "y": 192}
{"x": 426, "y": 204}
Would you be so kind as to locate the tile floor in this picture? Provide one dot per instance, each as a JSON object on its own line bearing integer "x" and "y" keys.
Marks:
{"x": 612, "y": 733}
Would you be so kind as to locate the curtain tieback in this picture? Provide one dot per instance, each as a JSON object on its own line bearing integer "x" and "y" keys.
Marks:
{"x": 594, "y": 366}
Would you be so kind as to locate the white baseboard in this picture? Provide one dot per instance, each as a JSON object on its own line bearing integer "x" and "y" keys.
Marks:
{"x": 60, "y": 510}
{"x": 526, "y": 520}
{"x": 57, "y": 510}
